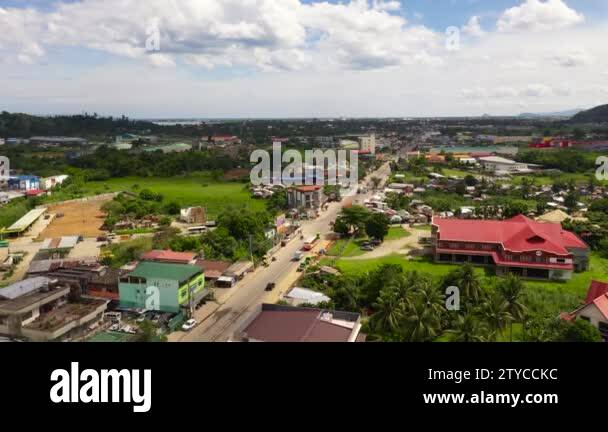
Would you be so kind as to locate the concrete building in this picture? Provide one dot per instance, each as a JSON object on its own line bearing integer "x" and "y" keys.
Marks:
{"x": 368, "y": 144}
{"x": 194, "y": 215}
{"x": 277, "y": 323}
{"x": 52, "y": 182}
{"x": 24, "y": 183}
{"x": 519, "y": 245}
{"x": 163, "y": 287}
{"x": 39, "y": 309}
{"x": 499, "y": 164}
{"x": 307, "y": 197}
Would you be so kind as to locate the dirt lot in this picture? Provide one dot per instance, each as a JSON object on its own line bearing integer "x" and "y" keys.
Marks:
{"x": 80, "y": 218}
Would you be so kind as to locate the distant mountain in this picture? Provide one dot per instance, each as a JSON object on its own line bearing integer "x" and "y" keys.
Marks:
{"x": 598, "y": 114}
{"x": 568, "y": 114}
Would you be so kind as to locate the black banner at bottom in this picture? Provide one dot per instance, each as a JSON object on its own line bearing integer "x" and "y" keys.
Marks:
{"x": 146, "y": 381}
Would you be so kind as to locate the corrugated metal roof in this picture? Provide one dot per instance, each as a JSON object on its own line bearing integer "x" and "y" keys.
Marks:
{"x": 23, "y": 287}
{"x": 29, "y": 218}
{"x": 308, "y": 296}
{"x": 59, "y": 243}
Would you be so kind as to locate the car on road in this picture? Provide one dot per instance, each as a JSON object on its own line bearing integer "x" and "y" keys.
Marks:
{"x": 298, "y": 256}
{"x": 367, "y": 248}
{"x": 271, "y": 286}
{"x": 189, "y": 325}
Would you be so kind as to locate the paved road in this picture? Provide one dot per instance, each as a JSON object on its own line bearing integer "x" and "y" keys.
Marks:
{"x": 251, "y": 292}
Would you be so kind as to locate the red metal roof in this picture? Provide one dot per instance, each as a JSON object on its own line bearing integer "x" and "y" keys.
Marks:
{"x": 596, "y": 289}
{"x": 168, "y": 255}
{"x": 602, "y": 304}
{"x": 305, "y": 189}
{"x": 519, "y": 234}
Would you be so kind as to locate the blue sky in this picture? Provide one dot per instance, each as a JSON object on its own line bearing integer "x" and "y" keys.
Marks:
{"x": 302, "y": 57}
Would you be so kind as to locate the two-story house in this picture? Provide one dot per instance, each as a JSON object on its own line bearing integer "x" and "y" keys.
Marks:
{"x": 519, "y": 245}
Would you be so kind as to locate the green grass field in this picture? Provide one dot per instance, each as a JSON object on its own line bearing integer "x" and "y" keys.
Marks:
{"x": 188, "y": 191}
{"x": 397, "y": 233}
{"x": 359, "y": 267}
{"x": 577, "y": 286}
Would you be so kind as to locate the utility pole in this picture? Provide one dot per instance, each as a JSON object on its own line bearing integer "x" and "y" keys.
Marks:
{"x": 251, "y": 249}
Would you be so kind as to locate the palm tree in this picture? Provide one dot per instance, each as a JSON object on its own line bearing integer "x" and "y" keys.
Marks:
{"x": 511, "y": 290}
{"x": 468, "y": 283}
{"x": 432, "y": 298}
{"x": 468, "y": 328}
{"x": 389, "y": 314}
{"x": 422, "y": 324}
{"x": 404, "y": 286}
{"x": 494, "y": 311}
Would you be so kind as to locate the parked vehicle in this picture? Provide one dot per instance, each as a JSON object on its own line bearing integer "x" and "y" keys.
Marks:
{"x": 271, "y": 286}
{"x": 189, "y": 325}
{"x": 298, "y": 256}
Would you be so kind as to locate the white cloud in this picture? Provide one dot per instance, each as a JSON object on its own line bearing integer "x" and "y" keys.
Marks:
{"x": 269, "y": 34}
{"x": 537, "y": 90}
{"x": 473, "y": 27}
{"x": 287, "y": 58}
{"x": 571, "y": 59}
{"x": 537, "y": 15}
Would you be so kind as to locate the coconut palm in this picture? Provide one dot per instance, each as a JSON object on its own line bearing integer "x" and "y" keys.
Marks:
{"x": 494, "y": 311}
{"x": 404, "y": 285}
{"x": 389, "y": 314}
{"x": 422, "y": 324}
{"x": 468, "y": 283}
{"x": 429, "y": 294}
{"x": 511, "y": 289}
{"x": 468, "y": 328}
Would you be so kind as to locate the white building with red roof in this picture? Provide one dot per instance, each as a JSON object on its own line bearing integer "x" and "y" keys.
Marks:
{"x": 595, "y": 309}
{"x": 519, "y": 245}
{"x": 307, "y": 197}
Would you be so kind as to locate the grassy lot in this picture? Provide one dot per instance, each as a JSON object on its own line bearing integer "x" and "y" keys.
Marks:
{"x": 575, "y": 288}
{"x": 187, "y": 191}
{"x": 456, "y": 172}
{"x": 579, "y": 178}
{"x": 579, "y": 284}
{"x": 421, "y": 265}
{"x": 396, "y": 233}
{"x": 346, "y": 248}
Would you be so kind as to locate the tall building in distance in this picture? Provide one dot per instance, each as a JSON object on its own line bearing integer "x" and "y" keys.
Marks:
{"x": 368, "y": 144}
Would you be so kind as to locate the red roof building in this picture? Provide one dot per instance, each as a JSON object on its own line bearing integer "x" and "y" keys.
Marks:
{"x": 595, "y": 309}
{"x": 307, "y": 197}
{"x": 519, "y": 245}
{"x": 168, "y": 256}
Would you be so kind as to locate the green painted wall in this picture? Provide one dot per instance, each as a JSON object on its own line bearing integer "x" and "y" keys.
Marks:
{"x": 171, "y": 297}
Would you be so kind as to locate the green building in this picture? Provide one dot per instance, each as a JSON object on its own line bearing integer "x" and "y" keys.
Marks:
{"x": 162, "y": 287}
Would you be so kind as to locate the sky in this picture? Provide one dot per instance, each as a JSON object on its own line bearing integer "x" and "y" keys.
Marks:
{"x": 302, "y": 58}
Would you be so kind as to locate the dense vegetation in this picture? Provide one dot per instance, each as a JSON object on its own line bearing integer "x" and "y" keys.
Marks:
{"x": 411, "y": 306}
{"x": 598, "y": 114}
